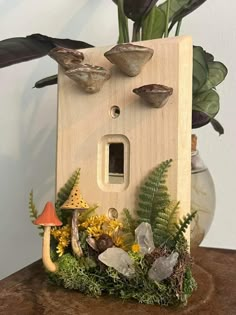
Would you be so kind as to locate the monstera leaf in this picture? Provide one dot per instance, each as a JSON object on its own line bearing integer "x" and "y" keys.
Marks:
{"x": 20, "y": 49}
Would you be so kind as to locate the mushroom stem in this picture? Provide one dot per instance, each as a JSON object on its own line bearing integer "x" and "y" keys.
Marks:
{"x": 48, "y": 263}
{"x": 75, "y": 235}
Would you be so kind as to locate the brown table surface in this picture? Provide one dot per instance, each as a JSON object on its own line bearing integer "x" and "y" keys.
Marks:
{"x": 27, "y": 292}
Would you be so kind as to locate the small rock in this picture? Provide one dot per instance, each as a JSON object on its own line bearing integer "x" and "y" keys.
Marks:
{"x": 144, "y": 237}
{"x": 163, "y": 267}
{"x": 118, "y": 259}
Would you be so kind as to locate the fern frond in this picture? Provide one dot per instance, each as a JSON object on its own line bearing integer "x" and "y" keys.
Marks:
{"x": 129, "y": 223}
{"x": 64, "y": 192}
{"x": 128, "y": 230}
{"x": 33, "y": 212}
{"x": 165, "y": 226}
{"x": 32, "y": 208}
{"x": 84, "y": 215}
{"x": 182, "y": 226}
{"x": 154, "y": 196}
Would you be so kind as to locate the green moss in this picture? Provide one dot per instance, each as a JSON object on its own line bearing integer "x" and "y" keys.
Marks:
{"x": 85, "y": 275}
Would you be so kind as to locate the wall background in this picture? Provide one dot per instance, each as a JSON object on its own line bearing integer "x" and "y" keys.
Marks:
{"x": 28, "y": 116}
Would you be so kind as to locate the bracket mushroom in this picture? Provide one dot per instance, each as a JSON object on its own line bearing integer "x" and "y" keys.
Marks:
{"x": 47, "y": 219}
{"x": 76, "y": 203}
{"x": 156, "y": 95}
{"x": 129, "y": 58}
{"x": 91, "y": 78}
{"x": 66, "y": 58}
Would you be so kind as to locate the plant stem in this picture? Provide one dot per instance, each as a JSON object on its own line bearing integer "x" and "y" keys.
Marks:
{"x": 136, "y": 32}
{"x": 167, "y": 17}
{"x": 123, "y": 24}
{"x": 178, "y": 28}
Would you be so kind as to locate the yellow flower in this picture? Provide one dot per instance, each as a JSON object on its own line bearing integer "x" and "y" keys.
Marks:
{"x": 62, "y": 235}
{"x": 135, "y": 248}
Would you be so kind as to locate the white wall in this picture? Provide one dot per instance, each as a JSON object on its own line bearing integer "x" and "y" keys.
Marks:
{"x": 28, "y": 116}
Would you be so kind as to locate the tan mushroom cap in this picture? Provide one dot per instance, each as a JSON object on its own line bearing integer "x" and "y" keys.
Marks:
{"x": 48, "y": 217}
{"x": 89, "y": 77}
{"x": 129, "y": 58}
{"x": 75, "y": 201}
{"x": 67, "y": 58}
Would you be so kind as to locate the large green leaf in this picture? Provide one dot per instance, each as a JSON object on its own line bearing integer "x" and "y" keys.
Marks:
{"x": 200, "y": 68}
{"x": 188, "y": 8}
{"x": 175, "y": 6}
{"x": 154, "y": 24}
{"x": 217, "y": 72}
{"x": 138, "y": 9}
{"x": 207, "y": 102}
{"x": 20, "y": 49}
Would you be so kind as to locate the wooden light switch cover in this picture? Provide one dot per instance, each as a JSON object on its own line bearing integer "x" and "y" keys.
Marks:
{"x": 149, "y": 136}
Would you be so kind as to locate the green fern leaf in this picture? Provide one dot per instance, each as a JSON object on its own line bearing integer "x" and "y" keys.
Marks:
{"x": 182, "y": 226}
{"x": 65, "y": 191}
{"x": 165, "y": 226}
{"x": 128, "y": 230}
{"x": 33, "y": 212}
{"x": 32, "y": 208}
{"x": 154, "y": 196}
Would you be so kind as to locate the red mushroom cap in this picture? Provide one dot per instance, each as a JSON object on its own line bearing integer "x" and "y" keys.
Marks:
{"x": 48, "y": 217}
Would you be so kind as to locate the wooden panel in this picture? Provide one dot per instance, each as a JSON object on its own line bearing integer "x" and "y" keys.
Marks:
{"x": 154, "y": 135}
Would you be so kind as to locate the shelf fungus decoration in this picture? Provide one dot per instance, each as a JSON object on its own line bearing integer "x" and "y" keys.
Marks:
{"x": 129, "y": 58}
{"x": 76, "y": 203}
{"x": 91, "y": 78}
{"x": 67, "y": 58}
{"x": 47, "y": 219}
{"x": 156, "y": 95}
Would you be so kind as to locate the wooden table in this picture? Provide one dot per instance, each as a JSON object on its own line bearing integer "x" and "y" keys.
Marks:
{"x": 27, "y": 292}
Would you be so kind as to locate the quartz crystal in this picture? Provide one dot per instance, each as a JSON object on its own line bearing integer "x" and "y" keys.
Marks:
{"x": 144, "y": 237}
{"x": 162, "y": 267}
{"x": 118, "y": 259}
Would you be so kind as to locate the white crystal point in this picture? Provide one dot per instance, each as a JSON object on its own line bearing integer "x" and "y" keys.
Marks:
{"x": 118, "y": 259}
{"x": 144, "y": 237}
{"x": 162, "y": 267}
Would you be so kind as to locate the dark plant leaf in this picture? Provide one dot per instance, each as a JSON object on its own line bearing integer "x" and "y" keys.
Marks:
{"x": 188, "y": 8}
{"x": 138, "y": 9}
{"x": 207, "y": 102}
{"x": 217, "y": 72}
{"x": 217, "y": 126}
{"x": 175, "y": 6}
{"x": 209, "y": 57}
{"x": 200, "y": 68}
{"x": 20, "y": 49}
{"x": 46, "y": 82}
{"x": 154, "y": 24}
{"x": 199, "y": 119}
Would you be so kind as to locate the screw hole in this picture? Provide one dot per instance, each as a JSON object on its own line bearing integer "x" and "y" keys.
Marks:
{"x": 112, "y": 213}
{"x": 115, "y": 111}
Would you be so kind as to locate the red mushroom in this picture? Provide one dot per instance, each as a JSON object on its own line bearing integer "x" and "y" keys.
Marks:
{"x": 47, "y": 219}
